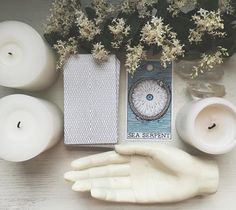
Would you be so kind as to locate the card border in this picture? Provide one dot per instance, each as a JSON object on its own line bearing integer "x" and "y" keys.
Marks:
{"x": 126, "y": 109}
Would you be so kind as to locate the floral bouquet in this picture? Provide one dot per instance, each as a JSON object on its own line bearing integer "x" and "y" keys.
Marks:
{"x": 187, "y": 29}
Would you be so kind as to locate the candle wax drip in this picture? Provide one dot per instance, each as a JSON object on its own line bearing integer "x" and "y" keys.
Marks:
{"x": 18, "y": 124}
{"x": 213, "y": 125}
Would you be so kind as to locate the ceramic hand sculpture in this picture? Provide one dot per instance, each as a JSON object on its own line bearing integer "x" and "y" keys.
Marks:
{"x": 144, "y": 174}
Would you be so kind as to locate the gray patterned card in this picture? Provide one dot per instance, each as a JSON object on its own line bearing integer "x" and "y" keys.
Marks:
{"x": 149, "y": 102}
{"x": 91, "y": 101}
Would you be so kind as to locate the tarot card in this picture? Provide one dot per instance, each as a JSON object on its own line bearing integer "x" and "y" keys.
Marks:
{"x": 91, "y": 101}
{"x": 149, "y": 102}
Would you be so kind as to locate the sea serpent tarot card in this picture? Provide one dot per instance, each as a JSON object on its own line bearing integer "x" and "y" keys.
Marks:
{"x": 149, "y": 102}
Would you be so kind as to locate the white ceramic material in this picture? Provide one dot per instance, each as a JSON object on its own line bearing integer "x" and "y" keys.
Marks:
{"x": 28, "y": 126}
{"x": 26, "y": 60}
{"x": 208, "y": 124}
{"x": 144, "y": 174}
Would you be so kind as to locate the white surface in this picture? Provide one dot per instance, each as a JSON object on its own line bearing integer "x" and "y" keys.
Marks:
{"x": 38, "y": 184}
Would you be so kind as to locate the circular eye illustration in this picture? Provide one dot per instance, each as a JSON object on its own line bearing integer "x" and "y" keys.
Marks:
{"x": 150, "y": 67}
{"x": 149, "y": 98}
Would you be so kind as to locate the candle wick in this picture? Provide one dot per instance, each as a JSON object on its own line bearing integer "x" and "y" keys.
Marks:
{"x": 210, "y": 127}
{"x": 18, "y": 124}
{"x": 9, "y": 53}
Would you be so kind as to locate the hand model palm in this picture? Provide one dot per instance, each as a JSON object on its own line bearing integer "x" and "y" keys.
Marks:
{"x": 142, "y": 174}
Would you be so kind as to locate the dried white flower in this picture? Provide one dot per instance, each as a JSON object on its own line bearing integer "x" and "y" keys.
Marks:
{"x": 116, "y": 44}
{"x": 170, "y": 51}
{"x": 226, "y": 6}
{"x": 134, "y": 56}
{"x": 142, "y": 7}
{"x": 62, "y": 16}
{"x": 154, "y": 32}
{"x": 100, "y": 53}
{"x": 103, "y": 9}
{"x": 87, "y": 28}
{"x": 209, "y": 61}
{"x": 176, "y": 6}
{"x": 119, "y": 30}
{"x": 206, "y": 22}
{"x": 157, "y": 33}
{"x": 127, "y": 7}
{"x": 64, "y": 50}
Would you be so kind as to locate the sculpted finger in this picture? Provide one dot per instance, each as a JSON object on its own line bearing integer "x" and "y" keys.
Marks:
{"x": 110, "y": 182}
{"x": 114, "y": 195}
{"x": 134, "y": 150}
{"x": 101, "y": 171}
{"x": 99, "y": 160}
{"x": 69, "y": 176}
{"x": 172, "y": 158}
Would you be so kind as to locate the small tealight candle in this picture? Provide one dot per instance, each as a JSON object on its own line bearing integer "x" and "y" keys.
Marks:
{"x": 208, "y": 124}
{"x": 26, "y": 60}
{"x": 28, "y": 126}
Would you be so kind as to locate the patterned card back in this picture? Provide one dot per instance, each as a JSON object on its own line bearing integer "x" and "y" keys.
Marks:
{"x": 91, "y": 93}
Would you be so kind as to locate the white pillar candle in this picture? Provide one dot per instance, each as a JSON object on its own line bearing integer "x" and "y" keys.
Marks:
{"x": 26, "y": 60}
{"x": 28, "y": 126}
{"x": 208, "y": 124}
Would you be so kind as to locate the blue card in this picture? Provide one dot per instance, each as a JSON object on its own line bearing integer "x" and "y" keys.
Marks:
{"x": 149, "y": 102}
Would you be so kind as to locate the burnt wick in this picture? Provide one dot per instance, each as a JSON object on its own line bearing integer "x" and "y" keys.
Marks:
{"x": 18, "y": 124}
{"x": 210, "y": 127}
{"x": 10, "y": 53}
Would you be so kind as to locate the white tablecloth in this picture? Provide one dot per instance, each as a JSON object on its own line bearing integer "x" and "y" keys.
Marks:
{"x": 38, "y": 184}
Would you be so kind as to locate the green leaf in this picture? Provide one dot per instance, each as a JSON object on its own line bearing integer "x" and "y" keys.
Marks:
{"x": 85, "y": 45}
{"x": 134, "y": 22}
{"x": 156, "y": 50}
{"x": 192, "y": 54}
{"x": 205, "y": 45}
{"x": 73, "y": 32}
{"x": 123, "y": 15}
{"x": 91, "y": 13}
{"x": 53, "y": 37}
{"x": 181, "y": 26}
{"x": 162, "y": 6}
{"x": 209, "y": 4}
{"x": 105, "y": 37}
{"x": 228, "y": 43}
{"x": 232, "y": 50}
